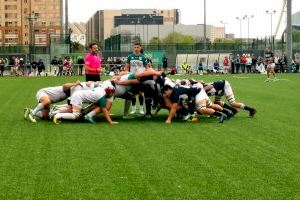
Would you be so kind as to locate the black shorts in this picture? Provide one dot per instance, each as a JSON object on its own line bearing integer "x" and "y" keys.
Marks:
{"x": 92, "y": 77}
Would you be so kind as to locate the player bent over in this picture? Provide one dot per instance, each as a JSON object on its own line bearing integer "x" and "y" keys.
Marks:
{"x": 45, "y": 98}
{"x": 102, "y": 95}
{"x": 202, "y": 102}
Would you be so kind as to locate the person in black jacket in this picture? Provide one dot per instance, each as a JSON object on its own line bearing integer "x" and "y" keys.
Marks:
{"x": 80, "y": 63}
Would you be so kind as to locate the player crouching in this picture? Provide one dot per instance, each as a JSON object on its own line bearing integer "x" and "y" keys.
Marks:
{"x": 102, "y": 95}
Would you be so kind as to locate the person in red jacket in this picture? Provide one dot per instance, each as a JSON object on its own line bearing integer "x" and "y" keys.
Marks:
{"x": 226, "y": 64}
{"x": 243, "y": 61}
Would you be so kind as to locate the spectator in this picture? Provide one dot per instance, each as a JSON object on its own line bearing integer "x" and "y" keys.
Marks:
{"x": 2, "y": 65}
{"x": 243, "y": 61}
{"x": 232, "y": 64}
{"x": 226, "y": 64}
{"x": 185, "y": 67}
{"x": 60, "y": 67}
{"x": 216, "y": 65}
{"x": 16, "y": 66}
{"x": 41, "y": 67}
{"x": 248, "y": 64}
{"x": 254, "y": 63}
{"x": 80, "y": 62}
{"x": 200, "y": 68}
{"x": 22, "y": 67}
{"x": 237, "y": 63}
{"x": 165, "y": 64}
{"x": 34, "y": 66}
{"x": 297, "y": 61}
{"x": 27, "y": 67}
{"x": 68, "y": 67}
{"x": 54, "y": 64}
{"x": 93, "y": 64}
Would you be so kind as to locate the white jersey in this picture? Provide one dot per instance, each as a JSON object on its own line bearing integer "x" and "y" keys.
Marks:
{"x": 122, "y": 89}
{"x": 84, "y": 86}
{"x": 55, "y": 94}
{"x": 96, "y": 95}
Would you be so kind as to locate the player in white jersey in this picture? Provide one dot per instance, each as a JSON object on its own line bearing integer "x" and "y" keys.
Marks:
{"x": 103, "y": 95}
{"x": 67, "y": 107}
{"x": 45, "y": 98}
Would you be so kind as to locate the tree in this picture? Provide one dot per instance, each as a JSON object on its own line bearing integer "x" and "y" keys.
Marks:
{"x": 178, "y": 38}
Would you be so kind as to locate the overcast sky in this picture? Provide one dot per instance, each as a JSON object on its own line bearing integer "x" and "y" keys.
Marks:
{"x": 192, "y": 12}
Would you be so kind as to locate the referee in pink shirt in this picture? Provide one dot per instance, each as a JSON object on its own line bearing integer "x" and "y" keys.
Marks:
{"x": 93, "y": 64}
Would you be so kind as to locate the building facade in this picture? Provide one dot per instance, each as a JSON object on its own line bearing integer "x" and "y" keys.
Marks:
{"x": 78, "y": 32}
{"x": 100, "y": 25}
{"x": 24, "y": 22}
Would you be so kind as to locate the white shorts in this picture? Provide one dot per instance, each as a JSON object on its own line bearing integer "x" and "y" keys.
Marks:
{"x": 41, "y": 93}
{"x": 227, "y": 89}
{"x": 76, "y": 99}
{"x": 202, "y": 96}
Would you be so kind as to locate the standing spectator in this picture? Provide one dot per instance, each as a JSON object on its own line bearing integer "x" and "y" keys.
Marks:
{"x": 80, "y": 62}
{"x": 165, "y": 64}
{"x": 249, "y": 64}
{"x": 93, "y": 64}
{"x": 41, "y": 67}
{"x": 254, "y": 63}
{"x": 237, "y": 63}
{"x": 68, "y": 65}
{"x": 185, "y": 67}
{"x": 27, "y": 67}
{"x": 22, "y": 67}
{"x": 34, "y": 66}
{"x": 243, "y": 61}
{"x": 2, "y": 64}
{"x": 226, "y": 64}
{"x": 16, "y": 66}
{"x": 54, "y": 64}
{"x": 297, "y": 61}
{"x": 60, "y": 67}
{"x": 232, "y": 63}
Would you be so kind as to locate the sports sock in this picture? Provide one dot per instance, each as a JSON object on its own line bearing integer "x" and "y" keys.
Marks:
{"x": 38, "y": 108}
{"x": 68, "y": 116}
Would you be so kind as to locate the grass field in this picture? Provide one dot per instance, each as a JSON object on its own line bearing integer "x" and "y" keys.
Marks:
{"x": 243, "y": 158}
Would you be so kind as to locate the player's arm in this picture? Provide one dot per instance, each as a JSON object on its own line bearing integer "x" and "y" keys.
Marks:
{"x": 208, "y": 88}
{"x": 128, "y": 82}
{"x": 104, "y": 104}
{"x": 67, "y": 86}
{"x": 172, "y": 113}
{"x": 148, "y": 72}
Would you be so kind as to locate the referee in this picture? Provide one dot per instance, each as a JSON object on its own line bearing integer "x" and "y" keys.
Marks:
{"x": 93, "y": 64}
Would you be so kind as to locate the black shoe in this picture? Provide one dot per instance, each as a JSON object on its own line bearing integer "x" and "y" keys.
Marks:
{"x": 252, "y": 113}
{"x": 222, "y": 118}
{"x": 234, "y": 111}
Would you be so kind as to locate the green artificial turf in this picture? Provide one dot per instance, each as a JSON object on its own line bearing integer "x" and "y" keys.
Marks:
{"x": 243, "y": 158}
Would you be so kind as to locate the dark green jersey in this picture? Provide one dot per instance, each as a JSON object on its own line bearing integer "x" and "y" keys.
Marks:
{"x": 137, "y": 63}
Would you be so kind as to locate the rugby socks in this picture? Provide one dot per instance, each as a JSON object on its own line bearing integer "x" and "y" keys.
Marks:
{"x": 233, "y": 110}
{"x": 67, "y": 116}
{"x": 38, "y": 108}
{"x": 126, "y": 107}
{"x": 247, "y": 108}
{"x": 141, "y": 100}
{"x": 91, "y": 114}
{"x": 218, "y": 114}
{"x": 148, "y": 103}
{"x": 39, "y": 114}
